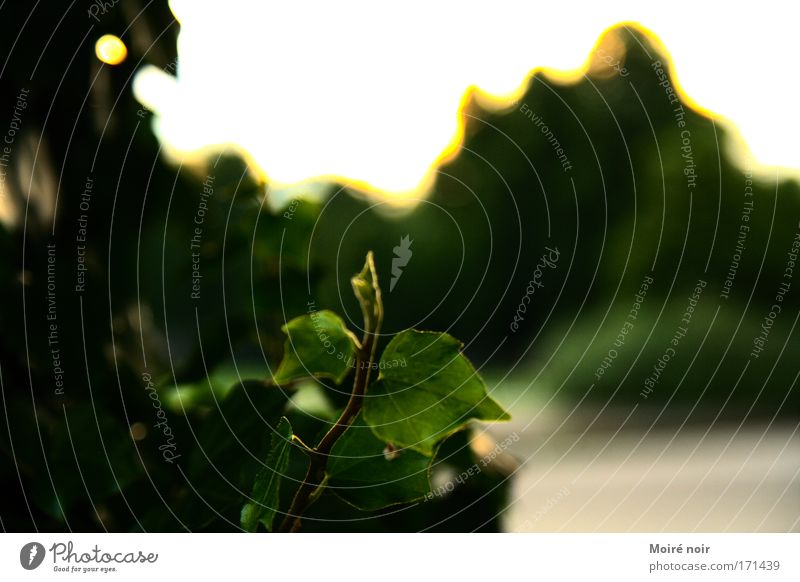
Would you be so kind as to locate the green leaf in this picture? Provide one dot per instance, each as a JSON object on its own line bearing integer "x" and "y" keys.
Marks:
{"x": 210, "y": 390}
{"x": 318, "y": 345}
{"x": 234, "y": 428}
{"x": 265, "y": 499}
{"x": 427, "y": 389}
{"x": 370, "y": 474}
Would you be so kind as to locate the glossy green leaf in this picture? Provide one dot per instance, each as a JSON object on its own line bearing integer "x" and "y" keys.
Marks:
{"x": 427, "y": 389}
{"x": 318, "y": 345}
{"x": 371, "y": 474}
{"x": 265, "y": 497}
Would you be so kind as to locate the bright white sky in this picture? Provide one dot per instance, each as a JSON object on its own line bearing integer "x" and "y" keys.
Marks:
{"x": 369, "y": 91}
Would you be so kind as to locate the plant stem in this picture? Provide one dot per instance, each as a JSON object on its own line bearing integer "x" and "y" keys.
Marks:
{"x": 319, "y": 459}
{"x": 372, "y": 306}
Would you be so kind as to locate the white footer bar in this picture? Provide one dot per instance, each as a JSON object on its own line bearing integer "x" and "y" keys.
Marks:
{"x": 401, "y": 557}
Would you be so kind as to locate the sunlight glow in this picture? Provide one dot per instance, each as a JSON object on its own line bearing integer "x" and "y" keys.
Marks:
{"x": 110, "y": 49}
{"x": 371, "y": 96}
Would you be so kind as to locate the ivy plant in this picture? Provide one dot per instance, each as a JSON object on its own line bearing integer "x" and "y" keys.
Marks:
{"x": 402, "y": 405}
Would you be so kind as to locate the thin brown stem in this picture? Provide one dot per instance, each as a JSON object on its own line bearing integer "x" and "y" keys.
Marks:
{"x": 319, "y": 459}
{"x": 314, "y": 481}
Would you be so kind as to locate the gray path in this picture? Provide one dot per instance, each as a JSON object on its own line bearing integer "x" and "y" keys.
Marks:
{"x": 595, "y": 481}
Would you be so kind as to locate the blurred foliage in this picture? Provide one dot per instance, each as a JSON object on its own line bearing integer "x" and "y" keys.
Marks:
{"x": 623, "y": 212}
{"x": 89, "y": 459}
